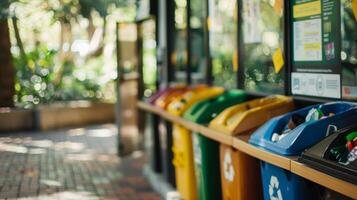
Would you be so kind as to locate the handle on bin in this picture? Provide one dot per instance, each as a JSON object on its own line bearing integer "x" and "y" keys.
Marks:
{"x": 231, "y": 112}
{"x": 258, "y": 104}
{"x": 331, "y": 129}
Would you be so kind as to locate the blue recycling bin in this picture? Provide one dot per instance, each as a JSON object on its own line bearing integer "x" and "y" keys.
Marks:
{"x": 279, "y": 183}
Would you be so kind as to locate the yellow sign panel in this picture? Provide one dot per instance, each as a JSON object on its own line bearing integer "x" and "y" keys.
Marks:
{"x": 312, "y": 46}
{"x": 278, "y": 7}
{"x": 278, "y": 60}
{"x": 354, "y": 8}
{"x": 235, "y": 61}
{"x": 307, "y": 9}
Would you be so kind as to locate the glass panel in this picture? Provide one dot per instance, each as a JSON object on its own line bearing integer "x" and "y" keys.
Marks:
{"x": 349, "y": 50}
{"x": 263, "y": 34}
{"x": 149, "y": 57}
{"x": 128, "y": 52}
{"x": 179, "y": 56}
{"x": 198, "y": 58}
{"x": 223, "y": 41}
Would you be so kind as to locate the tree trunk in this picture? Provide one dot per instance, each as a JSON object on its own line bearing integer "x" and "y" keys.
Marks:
{"x": 99, "y": 50}
{"x": 18, "y": 40}
{"x": 7, "y": 72}
{"x": 65, "y": 42}
{"x": 90, "y": 28}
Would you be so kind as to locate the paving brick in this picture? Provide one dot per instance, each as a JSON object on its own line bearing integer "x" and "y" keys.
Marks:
{"x": 57, "y": 172}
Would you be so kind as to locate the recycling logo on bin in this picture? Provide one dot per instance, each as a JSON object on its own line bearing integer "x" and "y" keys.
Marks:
{"x": 228, "y": 166}
{"x": 274, "y": 190}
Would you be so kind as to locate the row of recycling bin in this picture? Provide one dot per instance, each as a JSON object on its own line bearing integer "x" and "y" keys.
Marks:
{"x": 201, "y": 168}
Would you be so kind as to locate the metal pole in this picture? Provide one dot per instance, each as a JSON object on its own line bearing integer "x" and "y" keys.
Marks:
{"x": 118, "y": 81}
{"x": 188, "y": 43}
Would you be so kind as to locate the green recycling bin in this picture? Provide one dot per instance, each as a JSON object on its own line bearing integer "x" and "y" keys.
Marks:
{"x": 206, "y": 151}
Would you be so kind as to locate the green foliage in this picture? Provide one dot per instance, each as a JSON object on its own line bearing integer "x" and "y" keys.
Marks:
{"x": 44, "y": 77}
{"x": 34, "y": 83}
{"x": 4, "y": 8}
{"x": 38, "y": 83}
{"x": 70, "y": 9}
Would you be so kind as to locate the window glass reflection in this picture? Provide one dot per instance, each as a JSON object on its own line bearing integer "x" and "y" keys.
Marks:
{"x": 149, "y": 57}
{"x": 223, "y": 42}
{"x": 198, "y": 58}
{"x": 263, "y": 35}
{"x": 349, "y": 50}
{"x": 179, "y": 55}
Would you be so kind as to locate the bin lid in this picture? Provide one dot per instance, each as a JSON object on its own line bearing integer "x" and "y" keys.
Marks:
{"x": 181, "y": 104}
{"x": 306, "y": 134}
{"x": 203, "y": 112}
{"x": 164, "y": 100}
{"x": 162, "y": 92}
{"x": 247, "y": 116}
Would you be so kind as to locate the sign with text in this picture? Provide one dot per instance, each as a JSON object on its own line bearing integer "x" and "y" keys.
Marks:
{"x": 316, "y": 47}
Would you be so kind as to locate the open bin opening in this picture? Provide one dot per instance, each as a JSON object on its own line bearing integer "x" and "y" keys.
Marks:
{"x": 307, "y": 133}
{"x": 184, "y": 102}
{"x": 203, "y": 112}
{"x": 249, "y": 115}
{"x": 333, "y": 156}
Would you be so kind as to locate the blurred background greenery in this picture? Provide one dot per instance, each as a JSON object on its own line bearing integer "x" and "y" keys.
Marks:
{"x": 64, "y": 50}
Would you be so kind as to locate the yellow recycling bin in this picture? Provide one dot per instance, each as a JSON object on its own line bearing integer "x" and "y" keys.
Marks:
{"x": 182, "y": 141}
{"x": 240, "y": 173}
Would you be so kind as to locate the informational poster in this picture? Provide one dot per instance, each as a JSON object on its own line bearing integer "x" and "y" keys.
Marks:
{"x": 316, "y": 46}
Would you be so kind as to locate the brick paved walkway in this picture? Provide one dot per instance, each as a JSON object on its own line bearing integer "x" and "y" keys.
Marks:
{"x": 70, "y": 164}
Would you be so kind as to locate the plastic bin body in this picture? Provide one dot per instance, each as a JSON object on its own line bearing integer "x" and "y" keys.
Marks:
{"x": 165, "y": 134}
{"x": 279, "y": 184}
{"x": 183, "y": 162}
{"x": 207, "y": 168}
{"x": 245, "y": 182}
{"x": 298, "y": 139}
{"x": 206, "y": 151}
{"x": 182, "y": 140}
{"x": 240, "y": 175}
{"x": 165, "y": 130}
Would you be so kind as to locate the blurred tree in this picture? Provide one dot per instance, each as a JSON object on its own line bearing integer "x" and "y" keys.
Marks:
{"x": 7, "y": 89}
{"x": 87, "y": 8}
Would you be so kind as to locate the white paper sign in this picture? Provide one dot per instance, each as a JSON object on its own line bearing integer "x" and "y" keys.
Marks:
{"x": 308, "y": 40}
{"x": 319, "y": 85}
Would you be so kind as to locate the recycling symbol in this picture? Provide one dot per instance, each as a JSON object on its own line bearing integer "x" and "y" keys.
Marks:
{"x": 274, "y": 191}
{"x": 228, "y": 166}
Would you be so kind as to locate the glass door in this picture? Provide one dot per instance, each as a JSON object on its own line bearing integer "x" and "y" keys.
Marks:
{"x": 223, "y": 45}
